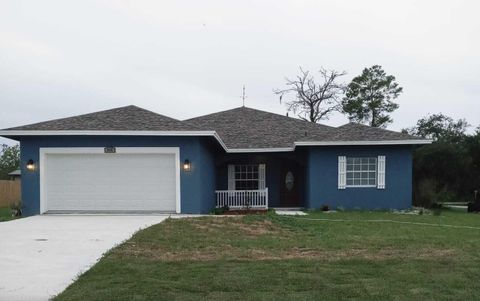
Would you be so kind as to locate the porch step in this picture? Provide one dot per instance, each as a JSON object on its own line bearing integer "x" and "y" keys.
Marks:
{"x": 288, "y": 208}
{"x": 290, "y": 212}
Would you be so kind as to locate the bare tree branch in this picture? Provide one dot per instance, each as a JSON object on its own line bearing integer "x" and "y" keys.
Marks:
{"x": 313, "y": 100}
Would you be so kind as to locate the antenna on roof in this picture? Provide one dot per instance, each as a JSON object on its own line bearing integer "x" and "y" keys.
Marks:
{"x": 243, "y": 96}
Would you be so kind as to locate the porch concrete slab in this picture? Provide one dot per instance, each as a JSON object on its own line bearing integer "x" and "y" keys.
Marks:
{"x": 289, "y": 212}
{"x": 41, "y": 255}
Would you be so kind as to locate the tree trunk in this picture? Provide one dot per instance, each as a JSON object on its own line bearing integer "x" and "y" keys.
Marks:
{"x": 373, "y": 123}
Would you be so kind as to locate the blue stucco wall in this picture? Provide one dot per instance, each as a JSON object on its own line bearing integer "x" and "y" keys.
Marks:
{"x": 197, "y": 186}
{"x": 209, "y": 171}
{"x": 322, "y": 179}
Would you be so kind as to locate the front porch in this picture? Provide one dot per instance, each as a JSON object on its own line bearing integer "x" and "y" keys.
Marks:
{"x": 242, "y": 199}
{"x": 260, "y": 180}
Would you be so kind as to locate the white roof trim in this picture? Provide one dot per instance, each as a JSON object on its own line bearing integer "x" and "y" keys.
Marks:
{"x": 220, "y": 141}
{"x": 105, "y": 133}
{"x": 261, "y": 150}
{"x": 114, "y": 133}
{"x": 366, "y": 142}
{"x": 211, "y": 134}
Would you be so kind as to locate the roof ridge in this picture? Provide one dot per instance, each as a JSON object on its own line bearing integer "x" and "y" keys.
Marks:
{"x": 99, "y": 113}
{"x": 74, "y": 116}
{"x": 351, "y": 123}
{"x": 153, "y": 112}
{"x": 210, "y": 114}
{"x": 305, "y": 122}
{"x": 366, "y": 126}
{"x": 149, "y": 116}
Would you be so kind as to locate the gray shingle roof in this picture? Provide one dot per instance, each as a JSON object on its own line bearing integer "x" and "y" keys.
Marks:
{"x": 129, "y": 118}
{"x": 239, "y": 128}
{"x": 360, "y": 132}
{"x": 249, "y": 128}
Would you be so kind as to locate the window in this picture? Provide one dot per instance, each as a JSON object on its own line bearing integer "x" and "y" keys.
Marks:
{"x": 246, "y": 177}
{"x": 361, "y": 172}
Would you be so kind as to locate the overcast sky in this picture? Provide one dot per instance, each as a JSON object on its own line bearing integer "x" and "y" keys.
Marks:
{"x": 188, "y": 58}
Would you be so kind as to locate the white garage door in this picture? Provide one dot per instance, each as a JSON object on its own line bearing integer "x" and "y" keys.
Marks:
{"x": 131, "y": 179}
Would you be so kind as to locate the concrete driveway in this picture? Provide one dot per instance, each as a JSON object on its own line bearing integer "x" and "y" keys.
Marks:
{"x": 41, "y": 255}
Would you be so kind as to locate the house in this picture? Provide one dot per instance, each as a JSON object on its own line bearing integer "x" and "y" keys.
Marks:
{"x": 130, "y": 159}
{"x": 15, "y": 175}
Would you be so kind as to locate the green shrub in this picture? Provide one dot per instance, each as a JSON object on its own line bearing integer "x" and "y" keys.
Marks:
{"x": 220, "y": 210}
{"x": 445, "y": 196}
{"x": 16, "y": 208}
{"x": 325, "y": 208}
{"x": 271, "y": 211}
{"x": 426, "y": 193}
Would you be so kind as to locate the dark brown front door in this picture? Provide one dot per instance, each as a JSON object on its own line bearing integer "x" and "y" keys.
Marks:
{"x": 289, "y": 185}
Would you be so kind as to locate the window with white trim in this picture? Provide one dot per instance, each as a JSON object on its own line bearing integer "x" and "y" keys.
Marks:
{"x": 246, "y": 177}
{"x": 361, "y": 172}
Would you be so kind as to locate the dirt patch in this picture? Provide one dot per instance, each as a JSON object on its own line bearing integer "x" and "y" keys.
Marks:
{"x": 228, "y": 252}
{"x": 390, "y": 253}
{"x": 435, "y": 253}
{"x": 265, "y": 227}
{"x": 212, "y": 223}
{"x": 218, "y": 238}
{"x": 329, "y": 255}
{"x": 238, "y": 224}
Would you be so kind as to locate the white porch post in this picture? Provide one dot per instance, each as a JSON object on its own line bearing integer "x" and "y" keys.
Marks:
{"x": 266, "y": 197}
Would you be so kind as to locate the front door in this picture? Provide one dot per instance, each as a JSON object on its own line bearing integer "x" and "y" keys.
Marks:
{"x": 290, "y": 188}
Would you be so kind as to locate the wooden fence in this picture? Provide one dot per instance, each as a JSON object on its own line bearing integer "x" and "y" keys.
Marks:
{"x": 9, "y": 192}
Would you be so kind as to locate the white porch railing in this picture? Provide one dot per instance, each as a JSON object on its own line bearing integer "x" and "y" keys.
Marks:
{"x": 237, "y": 199}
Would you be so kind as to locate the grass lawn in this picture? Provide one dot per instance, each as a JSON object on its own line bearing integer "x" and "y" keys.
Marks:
{"x": 284, "y": 258}
{"x": 6, "y": 214}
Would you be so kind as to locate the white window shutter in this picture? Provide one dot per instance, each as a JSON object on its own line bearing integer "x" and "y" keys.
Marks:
{"x": 342, "y": 172}
{"x": 231, "y": 177}
{"x": 261, "y": 176}
{"x": 381, "y": 172}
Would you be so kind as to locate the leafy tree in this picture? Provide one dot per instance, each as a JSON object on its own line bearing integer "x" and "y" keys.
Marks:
{"x": 314, "y": 100}
{"x": 9, "y": 159}
{"x": 440, "y": 127}
{"x": 449, "y": 168}
{"x": 472, "y": 146}
{"x": 445, "y": 167}
{"x": 368, "y": 98}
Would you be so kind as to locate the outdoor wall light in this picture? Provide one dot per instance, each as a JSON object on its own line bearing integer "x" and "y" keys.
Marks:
{"x": 30, "y": 165}
{"x": 187, "y": 166}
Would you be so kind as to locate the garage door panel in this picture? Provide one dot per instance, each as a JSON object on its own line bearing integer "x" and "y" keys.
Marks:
{"x": 110, "y": 182}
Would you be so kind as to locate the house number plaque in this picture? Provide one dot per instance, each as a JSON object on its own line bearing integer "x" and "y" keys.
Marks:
{"x": 110, "y": 150}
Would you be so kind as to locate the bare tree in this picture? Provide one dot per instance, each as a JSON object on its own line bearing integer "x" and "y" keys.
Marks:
{"x": 314, "y": 101}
